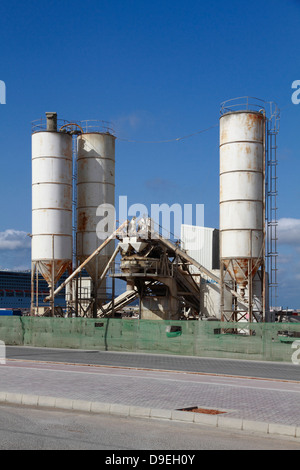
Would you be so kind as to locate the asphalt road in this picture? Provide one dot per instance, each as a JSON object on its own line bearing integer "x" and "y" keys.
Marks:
{"x": 232, "y": 367}
{"x": 24, "y": 428}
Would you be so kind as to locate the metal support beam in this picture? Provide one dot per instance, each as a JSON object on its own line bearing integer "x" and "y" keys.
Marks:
{"x": 195, "y": 263}
{"x": 95, "y": 253}
{"x": 108, "y": 266}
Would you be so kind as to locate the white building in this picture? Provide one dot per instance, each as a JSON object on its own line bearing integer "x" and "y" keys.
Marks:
{"x": 202, "y": 244}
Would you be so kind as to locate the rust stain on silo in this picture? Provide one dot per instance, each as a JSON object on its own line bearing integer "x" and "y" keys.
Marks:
{"x": 82, "y": 222}
{"x": 223, "y": 135}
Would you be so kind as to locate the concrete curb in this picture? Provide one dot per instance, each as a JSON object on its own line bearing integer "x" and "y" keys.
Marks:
{"x": 220, "y": 421}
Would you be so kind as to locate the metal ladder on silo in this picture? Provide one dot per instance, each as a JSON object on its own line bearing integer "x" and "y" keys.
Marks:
{"x": 74, "y": 198}
{"x": 271, "y": 205}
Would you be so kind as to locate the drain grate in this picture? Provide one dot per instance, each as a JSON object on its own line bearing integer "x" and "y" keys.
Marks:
{"x": 208, "y": 411}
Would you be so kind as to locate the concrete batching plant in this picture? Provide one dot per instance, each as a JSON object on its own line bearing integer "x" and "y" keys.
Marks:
{"x": 229, "y": 278}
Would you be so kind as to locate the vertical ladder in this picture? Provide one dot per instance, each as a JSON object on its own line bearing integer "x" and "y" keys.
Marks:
{"x": 271, "y": 206}
{"x": 74, "y": 198}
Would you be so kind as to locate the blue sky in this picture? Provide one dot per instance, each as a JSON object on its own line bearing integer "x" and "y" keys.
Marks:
{"x": 158, "y": 70}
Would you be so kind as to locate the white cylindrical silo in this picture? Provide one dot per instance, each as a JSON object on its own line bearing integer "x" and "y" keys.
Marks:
{"x": 242, "y": 207}
{"x": 95, "y": 187}
{"x": 51, "y": 201}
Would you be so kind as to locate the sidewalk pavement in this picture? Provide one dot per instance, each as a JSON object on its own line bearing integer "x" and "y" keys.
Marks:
{"x": 269, "y": 406}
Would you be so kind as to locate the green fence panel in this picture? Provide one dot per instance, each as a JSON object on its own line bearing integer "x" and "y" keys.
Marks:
{"x": 280, "y": 341}
{"x": 256, "y": 341}
{"x": 11, "y": 330}
{"x": 219, "y": 339}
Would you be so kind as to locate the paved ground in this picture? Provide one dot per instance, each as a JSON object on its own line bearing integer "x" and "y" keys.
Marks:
{"x": 271, "y": 370}
{"x": 253, "y": 396}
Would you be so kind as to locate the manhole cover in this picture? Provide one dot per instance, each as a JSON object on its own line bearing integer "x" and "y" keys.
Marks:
{"x": 207, "y": 411}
